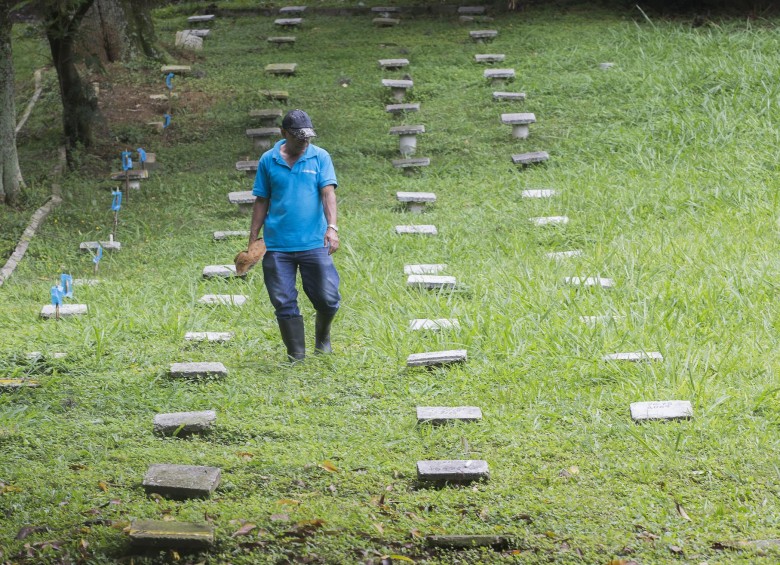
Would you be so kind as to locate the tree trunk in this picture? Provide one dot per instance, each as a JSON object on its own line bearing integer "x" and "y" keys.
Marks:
{"x": 79, "y": 105}
{"x": 119, "y": 30}
{"x": 9, "y": 160}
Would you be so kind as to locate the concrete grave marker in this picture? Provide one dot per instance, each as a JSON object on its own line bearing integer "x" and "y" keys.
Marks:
{"x": 197, "y": 370}
{"x": 538, "y": 193}
{"x": 199, "y": 32}
{"x": 219, "y": 271}
{"x": 549, "y": 220}
{"x": 12, "y": 384}
{"x": 453, "y": 471}
{"x": 400, "y": 109}
{"x": 442, "y": 414}
{"x": 425, "y": 269}
{"x": 182, "y": 423}
{"x": 398, "y": 87}
{"x": 284, "y": 69}
{"x": 393, "y": 64}
{"x": 160, "y": 534}
{"x": 416, "y": 202}
{"x": 490, "y": 58}
{"x": 244, "y": 199}
{"x": 407, "y": 137}
{"x": 496, "y": 76}
{"x": 279, "y": 95}
{"x": 519, "y": 123}
{"x": 280, "y": 40}
{"x": 66, "y": 310}
{"x": 511, "y": 96}
{"x": 590, "y": 281}
{"x": 176, "y": 69}
{"x": 661, "y": 410}
{"x": 436, "y": 358}
{"x": 563, "y": 254}
{"x": 223, "y": 300}
{"x": 635, "y": 356}
{"x": 269, "y": 117}
{"x": 223, "y": 235}
{"x": 431, "y": 282}
{"x": 94, "y": 245}
{"x": 408, "y": 166}
{"x": 201, "y": 19}
{"x": 261, "y": 137}
{"x": 134, "y": 176}
{"x": 188, "y": 40}
{"x": 181, "y": 481}
{"x": 249, "y": 167}
{"x": 292, "y": 9}
{"x": 416, "y": 230}
{"x": 419, "y": 324}
{"x": 482, "y": 35}
{"x": 288, "y": 22}
{"x": 530, "y": 158}
{"x": 386, "y": 22}
{"x": 208, "y": 336}
{"x": 606, "y": 66}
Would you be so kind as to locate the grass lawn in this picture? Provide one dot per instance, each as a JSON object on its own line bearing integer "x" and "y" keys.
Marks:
{"x": 665, "y": 164}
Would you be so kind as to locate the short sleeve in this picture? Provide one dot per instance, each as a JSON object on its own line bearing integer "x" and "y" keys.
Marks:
{"x": 262, "y": 187}
{"x": 327, "y": 174}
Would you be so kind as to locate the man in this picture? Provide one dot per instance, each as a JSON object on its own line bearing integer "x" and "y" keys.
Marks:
{"x": 295, "y": 206}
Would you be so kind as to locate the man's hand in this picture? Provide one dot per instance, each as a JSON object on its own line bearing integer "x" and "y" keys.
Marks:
{"x": 331, "y": 241}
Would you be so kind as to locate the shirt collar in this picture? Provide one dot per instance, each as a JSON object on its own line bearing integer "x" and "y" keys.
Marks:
{"x": 277, "y": 155}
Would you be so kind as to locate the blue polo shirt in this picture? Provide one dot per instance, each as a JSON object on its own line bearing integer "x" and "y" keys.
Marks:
{"x": 296, "y": 219}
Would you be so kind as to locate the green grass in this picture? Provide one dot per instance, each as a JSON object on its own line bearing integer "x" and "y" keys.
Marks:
{"x": 666, "y": 166}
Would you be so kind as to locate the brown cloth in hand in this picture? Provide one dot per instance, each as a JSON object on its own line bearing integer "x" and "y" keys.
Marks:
{"x": 249, "y": 258}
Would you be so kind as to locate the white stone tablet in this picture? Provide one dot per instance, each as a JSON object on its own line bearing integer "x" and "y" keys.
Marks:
{"x": 393, "y": 63}
{"x": 538, "y": 193}
{"x": 490, "y": 58}
{"x": 530, "y": 158}
{"x": 518, "y": 118}
{"x": 456, "y": 470}
{"x": 247, "y": 167}
{"x": 415, "y": 196}
{"x": 402, "y": 108}
{"x": 201, "y": 19}
{"x": 205, "y": 369}
{"x": 219, "y": 271}
{"x": 281, "y": 68}
{"x": 292, "y": 9}
{"x": 397, "y": 83}
{"x": 511, "y": 96}
{"x": 483, "y": 34}
{"x": 222, "y": 235}
{"x": 433, "y": 325}
{"x": 407, "y": 130}
{"x": 184, "y": 422}
{"x": 106, "y": 245}
{"x": 661, "y": 410}
{"x": 435, "y": 358}
{"x": 49, "y": 311}
{"x": 431, "y": 281}
{"x": 209, "y": 336}
{"x": 429, "y": 269}
{"x": 241, "y": 197}
{"x": 411, "y": 163}
{"x": 635, "y": 356}
{"x": 288, "y": 22}
{"x": 181, "y": 481}
{"x": 444, "y": 414}
{"x": 421, "y": 230}
{"x": 493, "y": 74}
{"x": 563, "y": 254}
{"x": 549, "y": 220}
{"x": 590, "y": 281}
{"x": 223, "y": 299}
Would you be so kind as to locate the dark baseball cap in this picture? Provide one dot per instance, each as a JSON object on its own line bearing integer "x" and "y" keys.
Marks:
{"x": 298, "y": 123}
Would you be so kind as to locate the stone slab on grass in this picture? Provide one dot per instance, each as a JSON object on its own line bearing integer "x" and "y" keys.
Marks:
{"x": 223, "y": 300}
{"x": 518, "y": 118}
{"x": 292, "y": 9}
{"x": 266, "y": 113}
{"x": 407, "y": 130}
{"x": 197, "y": 370}
{"x": 249, "y": 167}
{"x": 106, "y": 245}
{"x": 419, "y": 324}
{"x": 416, "y": 230}
{"x": 431, "y": 282}
{"x": 661, "y": 410}
{"x": 393, "y": 63}
{"x": 635, "y": 356}
{"x": 549, "y": 220}
{"x": 279, "y": 95}
{"x": 242, "y": 197}
{"x": 209, "y": 336}
{"x": 181, "y": 481}
{"x": 184, "y": 422}
{"x": 538, "y": 193}
{"x": 453, "y": 471}
{"x": 590, "y": 282}
{"x": 563, "y": 254}
{"x": 530, "y": 158}
{"x": 11, "y": 384}
{"x": 66, "y": 310}
{"x": 482, "y": 34}
{"x": 397, "y": 83}
{"x": 436, "y": 358}
{"x": 219, "y": 271}
{"x": 402, "y": 108}
{"x": 408, "y": 164}
{"x": 443, "y": 414}
{"x": 425, "y": 269}
{"x": 466, "y": 541}
{"x": 489, "y": 58}
{"x": 201, "y": 19}
{"x": 281, "y": 40}
{"x": 499, "y": 74}
{"x": 510, "y": 96}
{"x": 223, "y": 235}
{"x": 202, "y": 33}
{"x": 281, "y": 68}
{"x": 159, "y": 534}
{"x": 427, "y": 197}
{"x": 176, "y": 69}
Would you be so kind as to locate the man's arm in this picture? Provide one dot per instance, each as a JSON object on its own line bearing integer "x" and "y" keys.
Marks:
{"x": 259, "y": 212}
{"x": 328, "y": 195}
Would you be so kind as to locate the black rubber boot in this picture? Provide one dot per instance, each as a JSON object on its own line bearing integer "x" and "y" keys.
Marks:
{"x": 293, "y": 337}
{"x": 322, "y": 333}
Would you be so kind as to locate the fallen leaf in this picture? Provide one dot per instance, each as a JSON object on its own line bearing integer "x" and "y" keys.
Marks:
{"x": 681, "y": 511}
{"x": 288, "y": 502}
{"x": 77, "y": 466}
{"x": 28, "y": 530}
{"x": 415, "y": 533}
{"x": 676, "y": 549}
{"x": 329, "y": 467}
{"x": 103, "y": 486}
{"x": 175, "y": 555}
{"x": 245, "y": 455}
{"x": 523, "y": 518}
{"x": 379, "y": 527}
{"x": 400, "y": 558}
{"x": 243, "y": 530}
{"x": 647, "y": 536}
{"x": 280, "y": 517}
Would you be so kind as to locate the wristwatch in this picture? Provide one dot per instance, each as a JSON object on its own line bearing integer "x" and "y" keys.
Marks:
{"x": 334, "y": 227}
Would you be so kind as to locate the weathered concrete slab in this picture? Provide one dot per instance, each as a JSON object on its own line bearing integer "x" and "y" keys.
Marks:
{"x": 635, "y": 356}
{"x": 661, "y": 410}
{"x": 409, "y": 164}
{"x": 219, "y": 271}
{"x": 187, "y": 40}
{"x": 244, "y": 199}
{"x": 483, "y": 34}
{"x": 132, "y": 174}
{"x": 402, "y": 108}
{"x": 530, "y": 158}
{"x": 390, "y": 64}
{"x": 549, "y": 220}
{"x": 176, "y": 69}
{"x": 181, "y": 481}
{"x": 180, "y": 423}
{"x": 266, "y": 132}
{"x": 198, "y": 370}
{"x": 209, "y": 336}
{"x": 416, "y": 230}
{"x": 425, "y": 269}
{"x": 590, "y": 281}
{"x": 223, "y": 235}
{"x": 288, "y": 22}
{"x": 249, "y": 167}
{"x": 159, "y": 534}
{"x": 201, "y": 19}
{"x": 280, "y": 95}
{"x": 397, "y": 83}
{"x": 407, "y": 130}
{"x": 467, "y": 541}
{"x": 499, "y": 74}
{"x": 11, "y": 384}
{"x": 202, "y": 33}
{"x": 489, "y": 58}
{"x": 563, "y": 254}
{"x": 431, "y": 282}
{"x": 292, "y": 9}
{"x": 520, "y": 118}
{"x": 66, "y": 310}
{"x": 444, "y": 414}
{"x": 436, "y": 358}
{"x": 282, "y": 40}
{"x": 223, "y": 299}
{"x": 538, "y": 193}
{"x": 281, "y": 68}
{"x": 453, "y": 471}
{"x": 267, "y": 114}
{"x": 438, "y": 324}
{"x": 106, "y": 245}
{"x": 510, "y": 96}
{"x": 427, "y": 197}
